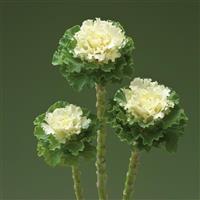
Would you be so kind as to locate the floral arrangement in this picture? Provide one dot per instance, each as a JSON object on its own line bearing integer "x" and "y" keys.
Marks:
{"x": 145, "y": 114}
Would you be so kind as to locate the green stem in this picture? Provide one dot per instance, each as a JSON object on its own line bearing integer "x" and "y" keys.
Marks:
{"x": 77, "y": 182}
{"x": 131, "y": 175}
{"x": 101, "y": 142}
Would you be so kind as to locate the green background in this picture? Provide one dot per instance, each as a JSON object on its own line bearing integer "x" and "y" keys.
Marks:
{"x": 166, "y": 40}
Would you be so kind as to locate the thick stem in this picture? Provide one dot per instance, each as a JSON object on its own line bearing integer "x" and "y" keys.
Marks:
{"x": 77, "y": 182}
{"x": 131, "y": 175}
{"x": 101, "y": 143}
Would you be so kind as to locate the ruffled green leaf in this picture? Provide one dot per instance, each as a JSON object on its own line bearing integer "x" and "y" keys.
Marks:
{"x": 148, "y": 137}
{"x": 120, "y": 97}
{"x": 75, "y": 147}
{"x": 174, "y": 97}
{"x": 53, "y": 158}
{"x": 39, "y": 133}
{"x": 41, "y": 149}
{"x": 89, "y": 152}
{"x": 62, "y": 55}
{"x": 58, "y": 104}
{"x": 39, "y": 119}
{"x": 53, "y": 143}
{"x": 127, "y": 136}
{"x": 78, "y": 81}
{"x": 175, "y": 118}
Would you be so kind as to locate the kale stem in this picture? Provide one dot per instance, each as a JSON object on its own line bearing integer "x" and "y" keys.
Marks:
{"x": 101, "y": 142}
{"x": 131, "y": 175}
{"x": 77, "y": 182}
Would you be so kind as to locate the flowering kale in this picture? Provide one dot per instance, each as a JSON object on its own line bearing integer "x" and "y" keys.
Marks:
{"x": 147, "y": 114}
{"x": 97, "y": 52}
{"x": 65, "y": 133}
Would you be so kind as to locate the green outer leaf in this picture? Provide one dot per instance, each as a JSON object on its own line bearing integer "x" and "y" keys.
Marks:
{"x": 79, "y": 146}
{"x": 149, "y": 137}
{"x": 175, "y": 118}
{"x": 39, "y": 133}
{"x": 53, "y": 158}
{"x": 120, "y": 97}
{"x": 53, "y": 143}
{"x": 39, "y": 119}
{"x": 58, "y": 104}
{"x": 165, "y": 132}
{"x": 75, "y": 147}
{"x": 174, "y": 97}
{"x": 89, "y": 151}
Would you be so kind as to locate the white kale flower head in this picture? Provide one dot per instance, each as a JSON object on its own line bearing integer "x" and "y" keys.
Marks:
{"x": 99, "y": 40}
{"x": 65, "y": 122}
{"x": 147, "y": 100}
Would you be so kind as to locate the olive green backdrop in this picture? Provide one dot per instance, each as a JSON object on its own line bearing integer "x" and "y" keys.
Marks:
{"x": 166, "y": 40}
